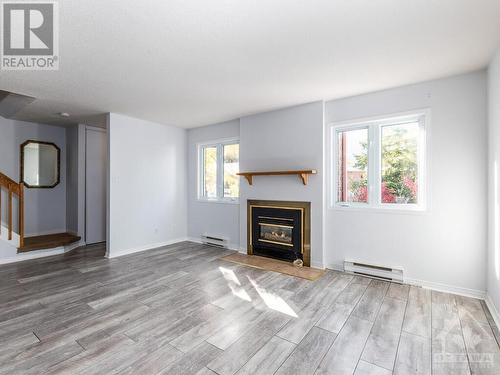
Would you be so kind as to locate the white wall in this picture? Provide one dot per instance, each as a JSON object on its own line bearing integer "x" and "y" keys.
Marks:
{"x": 45, "y": 209}
{"x": 494, "y": 184}
{"x": 147, "y": 205}
{"x": 286, "y": 139}
{"x": 445, "y": 245}
{"x": 217, "y": 219}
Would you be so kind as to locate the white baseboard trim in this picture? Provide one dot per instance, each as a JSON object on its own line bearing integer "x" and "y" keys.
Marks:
{"x": 43, "y": 253}
{"x": 335, "y": 267}
{"x": 493, "y": 309}
{"x": 466, "y": 292}
{"x": 74, "y": 245}
{"x": 480, "y": 294}
{"x": 33, "y": 255}
{"x": 138, "y": 249}
{"x": 194, "y": 239}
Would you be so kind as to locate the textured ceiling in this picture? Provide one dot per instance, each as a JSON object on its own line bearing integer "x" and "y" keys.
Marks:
{"x": 190, "y": 63}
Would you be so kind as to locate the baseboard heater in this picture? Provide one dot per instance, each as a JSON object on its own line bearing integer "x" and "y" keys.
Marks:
{"x": 214, "y": 241}
{"x": 374, "y": 271}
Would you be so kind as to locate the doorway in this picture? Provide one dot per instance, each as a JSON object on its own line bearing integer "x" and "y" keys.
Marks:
{"x": 95, "y": 185}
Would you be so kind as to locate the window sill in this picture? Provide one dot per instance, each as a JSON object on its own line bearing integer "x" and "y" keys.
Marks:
{"x": 382, "y": 210}
{"x": 220, "y": 201}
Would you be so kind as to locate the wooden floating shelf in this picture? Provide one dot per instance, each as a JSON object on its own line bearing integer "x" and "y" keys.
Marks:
{"x": 303, "y": 174}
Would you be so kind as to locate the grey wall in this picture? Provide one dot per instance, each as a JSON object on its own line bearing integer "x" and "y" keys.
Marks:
{"x": 441, "y": 248}
{"x": 219, "y": 219}
{"x": 147, "y": 204}
{"x": 494, "y": 183}
{"x": 286, "y": 139}
{"x": 45, "y": 209}
{"x": 445, "y": 245}
{"x": 72, "y": 179}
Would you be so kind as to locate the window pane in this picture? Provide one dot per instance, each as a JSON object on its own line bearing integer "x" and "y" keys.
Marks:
{"x": 210, "y": 172}
{"x": 352, "y": 168}
{"x": 400, "y": 163}
{"x": 231, "y": 167}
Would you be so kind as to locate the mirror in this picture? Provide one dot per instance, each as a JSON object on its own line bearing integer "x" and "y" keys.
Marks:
{"x": 40, "y": 164}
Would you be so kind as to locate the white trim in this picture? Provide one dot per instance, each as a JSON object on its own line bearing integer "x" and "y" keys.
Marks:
{"x": 42, "y": 253}
{"x": 33, "y": 255}
{"x": 397, "y": 116}
{"x": 474, "y": 293}
{"x": 335, "y": 267}
{"x": 219, "y": 145}
{"x": 493, "y": 309}
{"x": 194, "y": 239}
{"x": 74, "y": 245}
{"x": 138, "y": 249}
{"x": 374, "y": 126}
{"x": 222, "y": 201}
{"x": 377, "y": 210}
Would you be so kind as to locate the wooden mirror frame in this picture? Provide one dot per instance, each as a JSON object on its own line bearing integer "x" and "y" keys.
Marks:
{"x": 21, "y": 179}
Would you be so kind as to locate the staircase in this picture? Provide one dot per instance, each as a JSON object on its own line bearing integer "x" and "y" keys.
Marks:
{"x": 15, "y": 236}
{"x": 13, "y": 189}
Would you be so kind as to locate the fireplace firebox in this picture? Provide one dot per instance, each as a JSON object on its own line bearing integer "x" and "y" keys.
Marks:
{"x": 279, "y": 229}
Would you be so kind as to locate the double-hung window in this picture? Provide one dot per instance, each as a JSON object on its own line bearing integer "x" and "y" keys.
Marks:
{"x": 218, "y": 163}
{"x": 379, "y": 163}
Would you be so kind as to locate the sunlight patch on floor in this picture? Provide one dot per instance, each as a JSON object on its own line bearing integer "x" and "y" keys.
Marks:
{"x": 229, "y": 275}
{"x": 273, "y": 301}
{"x": 234, "y": 284}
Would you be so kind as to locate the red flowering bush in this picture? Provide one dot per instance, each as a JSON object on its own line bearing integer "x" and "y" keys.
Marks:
{"x": 411, "y": 185}
{"x": 361, "y": 194}
{"x": 387, "y": 195}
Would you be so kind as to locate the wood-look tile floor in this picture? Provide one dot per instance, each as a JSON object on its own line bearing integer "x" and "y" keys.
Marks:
{"x": 182, "y": 310}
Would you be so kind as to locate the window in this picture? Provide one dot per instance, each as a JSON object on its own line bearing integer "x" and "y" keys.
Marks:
{"x": 352, "y": 167}
{"x": 218, "y": 165}
{"x": 379, "y": 164}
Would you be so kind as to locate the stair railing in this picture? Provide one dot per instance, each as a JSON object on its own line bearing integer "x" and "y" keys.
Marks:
{"x": 13, "y": 188}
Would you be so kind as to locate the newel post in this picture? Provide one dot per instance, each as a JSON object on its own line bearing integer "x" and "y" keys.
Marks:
{"x": 21, "y": 214}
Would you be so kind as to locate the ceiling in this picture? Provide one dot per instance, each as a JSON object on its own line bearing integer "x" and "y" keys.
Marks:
{"x": 192, "y": 63}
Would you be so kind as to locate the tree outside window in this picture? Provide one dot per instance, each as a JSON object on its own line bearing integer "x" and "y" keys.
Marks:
{"x": 396, "y": 166}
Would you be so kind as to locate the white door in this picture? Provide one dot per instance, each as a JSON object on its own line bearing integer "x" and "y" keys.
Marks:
{"x": 95, "y": 185}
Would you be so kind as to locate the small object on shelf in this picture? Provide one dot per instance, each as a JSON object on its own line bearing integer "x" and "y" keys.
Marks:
{"x": 303, "y": 174}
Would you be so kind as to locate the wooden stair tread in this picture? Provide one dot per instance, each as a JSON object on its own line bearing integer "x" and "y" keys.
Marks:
{"x": 47, "y": 241}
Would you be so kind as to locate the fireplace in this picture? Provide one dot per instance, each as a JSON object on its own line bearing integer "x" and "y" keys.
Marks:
{"x": 279, "y": 229}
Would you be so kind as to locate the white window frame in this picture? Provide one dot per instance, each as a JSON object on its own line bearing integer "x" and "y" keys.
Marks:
{"x": 374, "y": 126}
{"x": 219, "y": 144}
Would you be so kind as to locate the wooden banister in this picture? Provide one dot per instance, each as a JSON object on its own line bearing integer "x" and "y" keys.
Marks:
{"x": 13, "y": 188}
